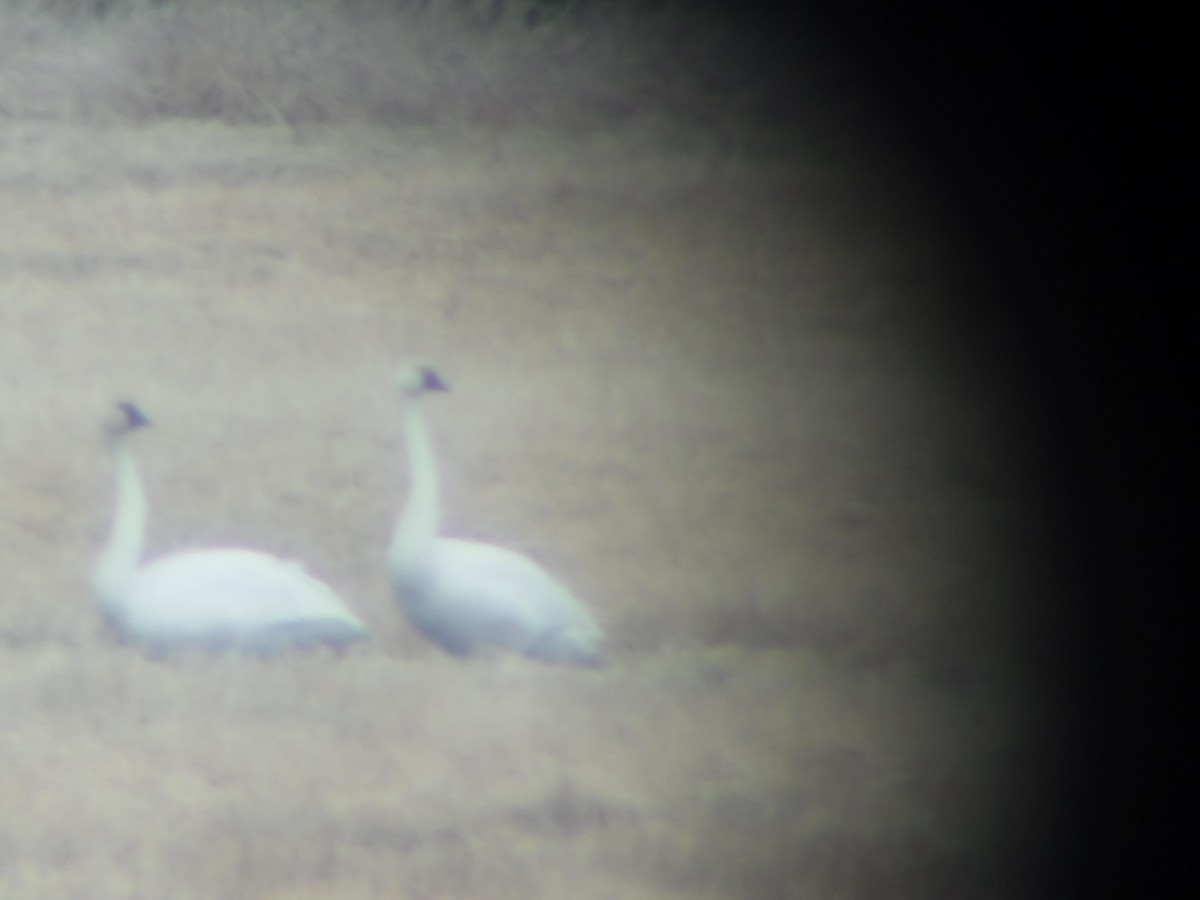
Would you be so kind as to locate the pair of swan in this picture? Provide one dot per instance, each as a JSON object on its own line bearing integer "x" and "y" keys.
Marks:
{"x": 463, "y": 595}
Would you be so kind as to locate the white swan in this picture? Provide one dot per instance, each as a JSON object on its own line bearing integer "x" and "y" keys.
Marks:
{"x": 465, "y": 595}
{"x": 217, "y": 599}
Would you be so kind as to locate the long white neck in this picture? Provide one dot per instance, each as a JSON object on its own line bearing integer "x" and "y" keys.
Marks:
{"x": 416, "y": 531}
{"x": 118, "y": 560}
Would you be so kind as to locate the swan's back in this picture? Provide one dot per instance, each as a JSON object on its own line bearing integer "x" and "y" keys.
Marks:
{"x": 236, "y": 599}
{"x": 475, "y": 595}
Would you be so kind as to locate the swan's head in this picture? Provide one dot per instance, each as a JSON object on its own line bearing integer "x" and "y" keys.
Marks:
{"x": 124, "y": 419}
{"x": 419, "y": 378}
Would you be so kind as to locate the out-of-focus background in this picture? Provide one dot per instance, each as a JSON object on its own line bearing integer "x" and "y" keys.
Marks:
{"x": 715, "y": 357}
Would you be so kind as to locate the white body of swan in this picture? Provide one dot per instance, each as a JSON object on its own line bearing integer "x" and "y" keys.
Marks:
{"x": 217, "y": 599}
{"x": 465, "y": 595}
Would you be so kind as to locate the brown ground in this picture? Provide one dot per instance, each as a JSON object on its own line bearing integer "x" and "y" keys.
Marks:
{"x": 701, "y": 378}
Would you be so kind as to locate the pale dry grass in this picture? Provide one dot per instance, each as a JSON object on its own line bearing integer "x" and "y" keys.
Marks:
{"x": 394, "y": 61}
{"x": 708, "y": 388}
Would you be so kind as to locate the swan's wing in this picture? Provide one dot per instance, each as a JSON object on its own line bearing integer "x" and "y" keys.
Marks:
{"x": 480, "y": 594}
{"x": 236, "y": 597}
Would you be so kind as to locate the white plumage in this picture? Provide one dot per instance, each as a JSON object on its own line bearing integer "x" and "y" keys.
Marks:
{"x": 218, "y": 599}
{"x": 466, "y": 595}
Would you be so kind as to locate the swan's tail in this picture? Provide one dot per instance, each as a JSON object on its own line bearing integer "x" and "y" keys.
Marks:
{"x": 581, "y": 645}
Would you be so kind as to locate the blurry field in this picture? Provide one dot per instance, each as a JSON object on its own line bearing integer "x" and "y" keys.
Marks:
{"x": 698, "y": 369}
